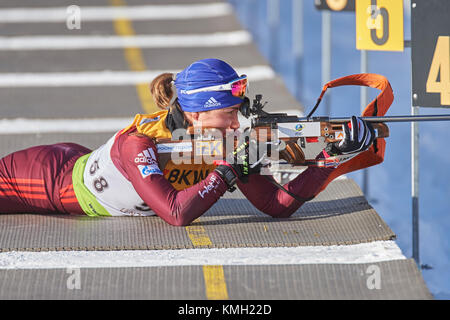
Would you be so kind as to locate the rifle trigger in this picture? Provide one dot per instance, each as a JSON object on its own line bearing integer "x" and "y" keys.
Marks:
{"x": 301, "y": 142}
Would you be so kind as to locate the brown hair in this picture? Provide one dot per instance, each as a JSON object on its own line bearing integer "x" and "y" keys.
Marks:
{"x": 161, "y": 90}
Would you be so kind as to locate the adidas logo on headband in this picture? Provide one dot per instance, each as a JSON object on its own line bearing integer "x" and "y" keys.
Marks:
{"x": 211, "y": 103}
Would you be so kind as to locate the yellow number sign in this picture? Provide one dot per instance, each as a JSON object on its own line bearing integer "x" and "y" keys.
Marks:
{"x": 439, "y": 75}
{"x": 379, "y": 25}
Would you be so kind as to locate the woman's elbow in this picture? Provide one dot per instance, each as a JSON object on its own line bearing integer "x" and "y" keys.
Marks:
{"x": 279, "y": 214}
{"x": 181, "y": 222}
{"x": 281, "y": 211}
{"x": 178, "y": 218}
{"x": 177, "y": 221}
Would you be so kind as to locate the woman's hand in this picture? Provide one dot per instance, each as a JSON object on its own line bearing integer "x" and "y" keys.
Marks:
{"x": 238, "y": 165}
{"x": 358, "y": 137}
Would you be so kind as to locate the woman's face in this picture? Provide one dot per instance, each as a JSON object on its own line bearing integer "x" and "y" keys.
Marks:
{"x": 222, "y": 119}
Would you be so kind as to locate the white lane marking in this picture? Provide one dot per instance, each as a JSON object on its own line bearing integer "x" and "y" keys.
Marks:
{"x": 218, "y": 39}
{"x": 91, "y": 13}
{"x": 36, "y": 126}
{"x": 72, "y": 125}
{"x": 347, "y": 254}
{"x": 108, "y": 78}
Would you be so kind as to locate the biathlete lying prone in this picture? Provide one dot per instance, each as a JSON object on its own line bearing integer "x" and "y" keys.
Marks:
{"x": 124, "y": 176}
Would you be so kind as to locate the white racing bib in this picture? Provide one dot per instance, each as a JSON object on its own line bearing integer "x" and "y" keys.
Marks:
{"x": 111, "y": 189}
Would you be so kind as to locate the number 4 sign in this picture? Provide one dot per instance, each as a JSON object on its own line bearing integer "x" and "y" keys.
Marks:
{"x": 430, "y": 53}
{"x": 379, "y": 25}
{"x": 438, "y": 80}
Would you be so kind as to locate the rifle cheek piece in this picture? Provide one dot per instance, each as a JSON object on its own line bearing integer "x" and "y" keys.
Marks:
{"x": 245, "y": 108}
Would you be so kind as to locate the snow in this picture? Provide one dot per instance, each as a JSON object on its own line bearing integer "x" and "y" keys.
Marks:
{"x": 360, "y": 253}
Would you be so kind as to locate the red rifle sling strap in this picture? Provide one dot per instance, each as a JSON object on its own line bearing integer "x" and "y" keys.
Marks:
{"x": 378, "y": 107}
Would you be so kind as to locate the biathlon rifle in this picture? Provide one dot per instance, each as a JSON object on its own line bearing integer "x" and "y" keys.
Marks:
{"x": 304, "y": 137}
{"x": 298, "y": 140}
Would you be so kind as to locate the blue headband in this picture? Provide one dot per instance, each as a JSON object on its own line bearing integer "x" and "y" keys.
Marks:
{"x": 205, "y": 73}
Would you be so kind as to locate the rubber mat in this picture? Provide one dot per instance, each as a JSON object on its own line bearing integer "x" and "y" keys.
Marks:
{"x": 397, "y": 279}
{"x": 339, "y": 215}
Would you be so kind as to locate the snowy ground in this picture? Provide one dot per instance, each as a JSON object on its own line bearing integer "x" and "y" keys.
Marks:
{"x": 360, "y": 253}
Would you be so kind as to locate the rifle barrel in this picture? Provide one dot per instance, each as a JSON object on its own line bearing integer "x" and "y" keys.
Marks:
{"x": 398, "y": 118}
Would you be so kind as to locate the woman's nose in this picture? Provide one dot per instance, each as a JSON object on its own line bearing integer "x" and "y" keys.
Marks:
{"x": 235, "y": 123}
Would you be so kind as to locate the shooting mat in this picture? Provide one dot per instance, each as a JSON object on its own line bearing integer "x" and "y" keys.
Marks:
{"x": 339, "y": 215}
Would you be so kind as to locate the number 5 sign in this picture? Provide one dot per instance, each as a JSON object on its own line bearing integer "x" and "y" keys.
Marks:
{"x": 379, "y": 25}
{"x": 430, "y": 53}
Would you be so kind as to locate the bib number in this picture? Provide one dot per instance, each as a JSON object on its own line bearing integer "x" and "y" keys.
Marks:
{"x": 99, "y": 183}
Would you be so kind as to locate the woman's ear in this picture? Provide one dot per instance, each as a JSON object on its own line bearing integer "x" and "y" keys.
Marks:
{"x": 195, "y": 115}
{"x": 196, "y": 122}
{"x": 192, "y": 117}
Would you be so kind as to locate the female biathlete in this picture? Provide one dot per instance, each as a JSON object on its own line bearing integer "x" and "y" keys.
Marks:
{"x": 125, "y": 177}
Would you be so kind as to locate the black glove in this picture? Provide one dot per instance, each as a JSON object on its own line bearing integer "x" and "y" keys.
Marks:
{"x": 237, "y": 165}
{"x": 357, "y": 138}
